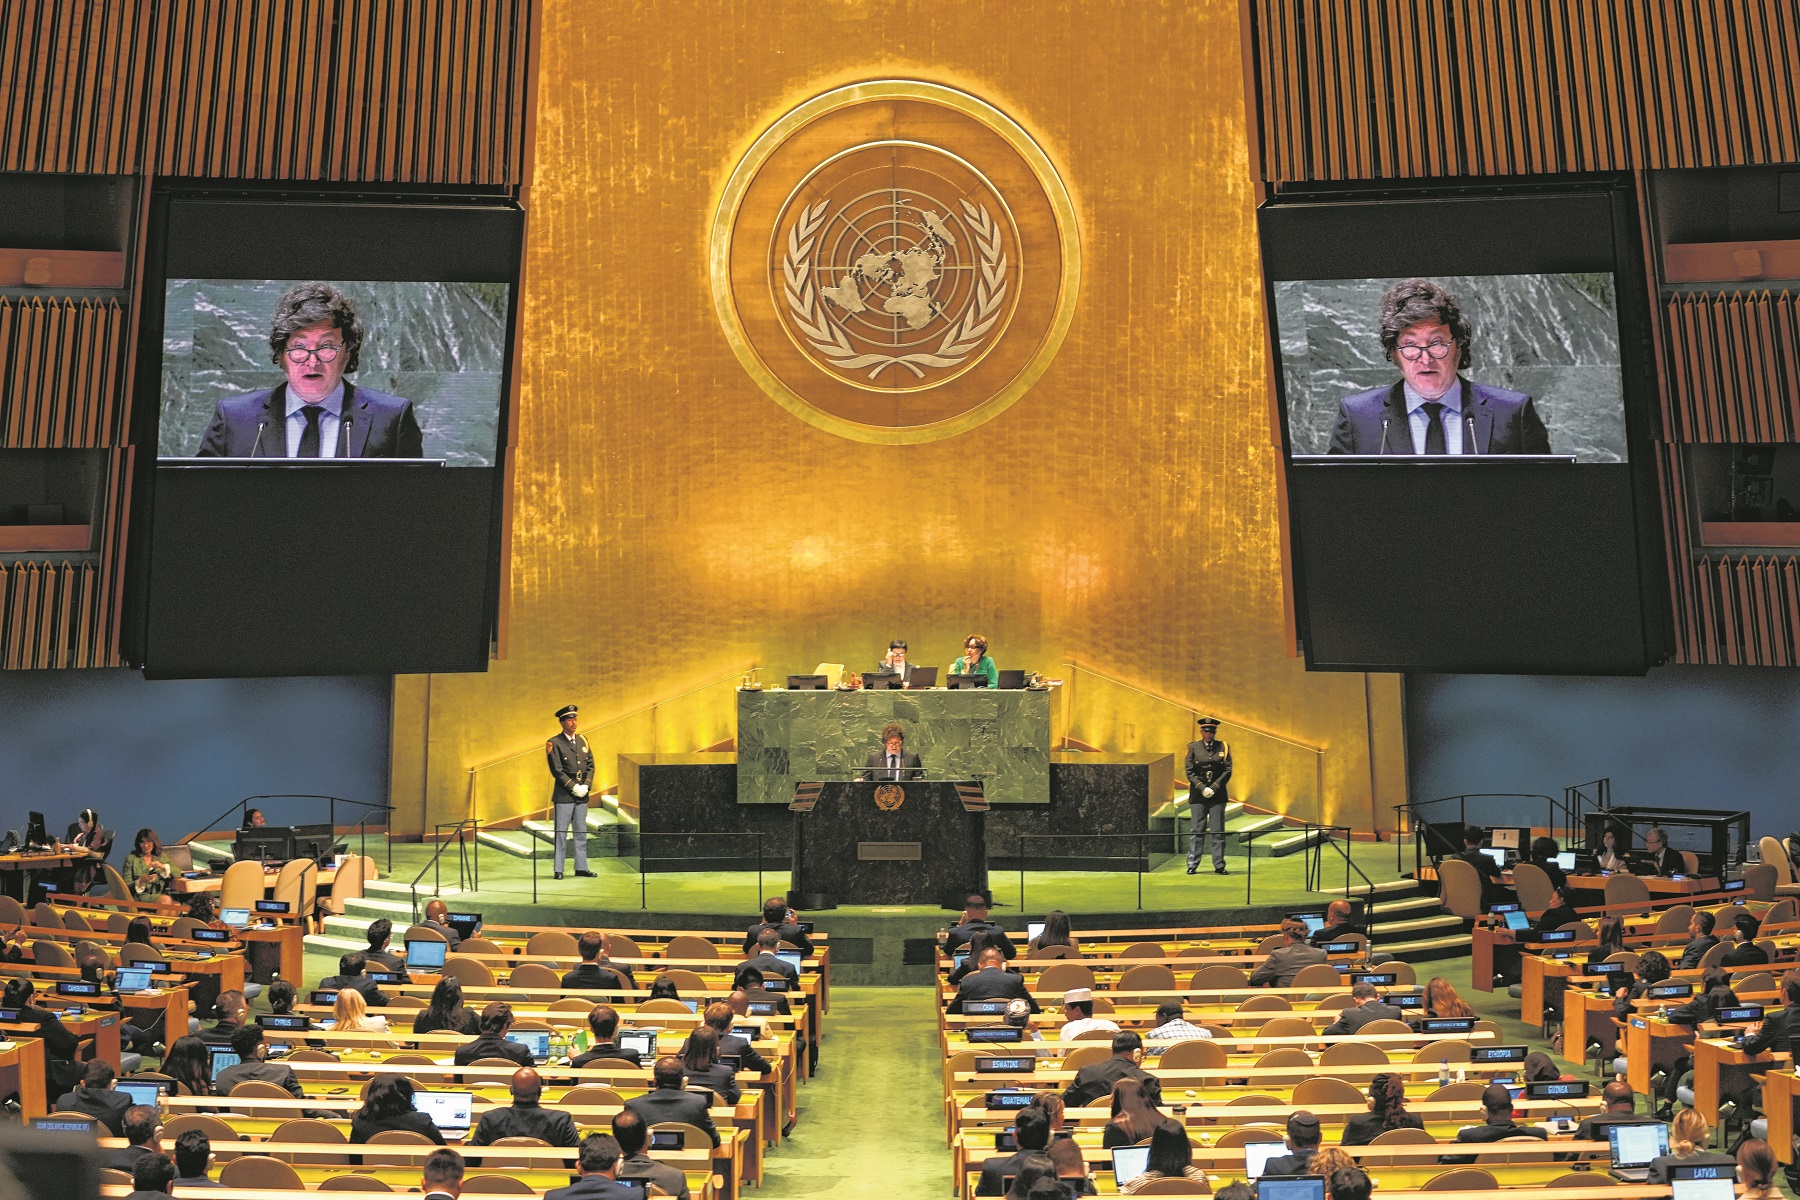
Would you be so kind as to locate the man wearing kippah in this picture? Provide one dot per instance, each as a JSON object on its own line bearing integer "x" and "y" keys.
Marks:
{"x": 572, "y": 767}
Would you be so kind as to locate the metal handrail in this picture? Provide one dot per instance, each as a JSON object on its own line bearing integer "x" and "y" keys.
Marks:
{"x": 1138, "y": 870}
{"x": 1314, "y": 852}
{"x": 644, "y": 876}
{"x": 456, "y": 832}
{"x": 370, "y": 807}
{"x": 1412, "y": 807}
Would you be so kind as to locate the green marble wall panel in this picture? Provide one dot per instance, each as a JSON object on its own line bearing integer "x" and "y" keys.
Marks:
{"x": 999, "y": 737}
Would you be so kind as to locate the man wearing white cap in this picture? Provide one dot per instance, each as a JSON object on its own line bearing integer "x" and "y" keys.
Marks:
{"x": 1078, "y": 1015}
{"x": 572, "y": 767}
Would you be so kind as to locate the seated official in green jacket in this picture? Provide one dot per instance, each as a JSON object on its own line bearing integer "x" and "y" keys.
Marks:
{"x": 975, "y": 661}
{"x": 145, "y": 871}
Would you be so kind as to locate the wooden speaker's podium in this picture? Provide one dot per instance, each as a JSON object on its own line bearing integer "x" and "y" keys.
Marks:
{"x": 919, "y": 842}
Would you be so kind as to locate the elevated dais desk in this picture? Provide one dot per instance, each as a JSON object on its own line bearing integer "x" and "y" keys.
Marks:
{"x": 888, "y": 843}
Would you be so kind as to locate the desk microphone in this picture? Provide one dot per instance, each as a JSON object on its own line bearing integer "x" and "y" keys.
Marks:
{"x": 257, "y": 444}
{"x": 1382, "y": 449}
{"x": 1469, "y": 426}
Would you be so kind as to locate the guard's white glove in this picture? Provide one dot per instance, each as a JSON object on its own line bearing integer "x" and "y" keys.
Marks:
{"x": 581, "y": 790}
{"x": 1207, "y": 792}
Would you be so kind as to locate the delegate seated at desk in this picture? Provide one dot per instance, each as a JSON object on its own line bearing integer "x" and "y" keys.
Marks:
{"x": 894, "y": 662}
{"x": 892, "y": 762}
{"x": 1661, "y": 859}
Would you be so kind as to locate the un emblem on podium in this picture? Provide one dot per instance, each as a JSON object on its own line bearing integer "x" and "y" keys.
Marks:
{"x": 895, "y": 261}
{"x": 889, "y": 796}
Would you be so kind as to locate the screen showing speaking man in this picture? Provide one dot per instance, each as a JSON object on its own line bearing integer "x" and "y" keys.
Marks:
{"x": 1473, "y": 365}
{"x": 276, "y": 369}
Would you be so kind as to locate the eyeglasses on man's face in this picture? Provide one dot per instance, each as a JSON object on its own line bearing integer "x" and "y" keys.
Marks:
{"x": 1437, "y": 350}
{"x": 324, "y": 353}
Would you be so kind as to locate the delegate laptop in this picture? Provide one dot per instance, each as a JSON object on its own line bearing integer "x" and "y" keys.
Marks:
{"x": 1497, "y": 854}
{"x": 223, "y": 1057}
{"x": 921, "y": 677}
{"x": 792, "y": 958}
{"x": 1566, "y": 860}
{"x": 958, "y": 959}
{"x": 1291, "y": 1187}
{"x": 1704, "y": 1183}
{"x": 1258, "y": 1154}
{"x": 146, "y": 1093}
{"x": 1314, "y": 921}
{"x": 1635, "y": 1146}
{"x": 968, "y": 681}
{"x": 1517, "y": 921}
{"x": 1129, "y": 1162}
{"x": 806, "y": 683}
{"x": 1033, "y": 929}
{"x": 237, "y": 918}
{"x": 451, "y": 1112}
{"x": 426, "y": 953}
{"x": 535, "y": 1040}
{"x": 641, "y": 1040}
{"x": 1013, "y": 680}
{"x": 131, "y": 979}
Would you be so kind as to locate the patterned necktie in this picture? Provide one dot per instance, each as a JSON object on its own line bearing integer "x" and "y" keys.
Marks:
{"x": 1434, "y": 427}
{"x": 309, "y": 441}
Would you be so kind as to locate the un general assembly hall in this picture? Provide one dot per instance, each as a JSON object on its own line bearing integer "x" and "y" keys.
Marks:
{"x": 865, "y": 599}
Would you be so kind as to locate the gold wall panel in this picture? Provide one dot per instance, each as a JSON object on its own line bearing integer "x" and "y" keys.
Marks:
{"x": 673, "y": 523}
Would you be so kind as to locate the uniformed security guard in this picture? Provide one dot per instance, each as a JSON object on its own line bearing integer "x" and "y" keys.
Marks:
{"x": 572, "y": 766}
{"x": 1208, "y": 771}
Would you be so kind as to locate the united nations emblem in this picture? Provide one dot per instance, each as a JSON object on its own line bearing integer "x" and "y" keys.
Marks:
{"x": 889, "y": 796}
{"x": 902, "y": 287}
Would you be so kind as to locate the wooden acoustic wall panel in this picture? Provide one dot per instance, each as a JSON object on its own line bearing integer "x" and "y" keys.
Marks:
{"x": 56, "y": 615}
{"x": 1372, "y": 89}
{"x": 74, "y": 84}
{"x": 59, "y": 373}
{"x": 1734, "y": 366}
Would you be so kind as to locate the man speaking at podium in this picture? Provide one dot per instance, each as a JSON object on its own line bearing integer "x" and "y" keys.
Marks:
{"x": 892, "y": 762}
{"x": 1432, "y": 409}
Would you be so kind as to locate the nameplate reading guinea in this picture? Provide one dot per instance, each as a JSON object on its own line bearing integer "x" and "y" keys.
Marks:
{"x": 889, "y": 851}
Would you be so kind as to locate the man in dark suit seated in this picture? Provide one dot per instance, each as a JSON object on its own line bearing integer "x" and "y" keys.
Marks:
{"x": 524, "y": 1117}
{"x": 1779, "y": 1030}
{"x": 252, "y": 1066}
{"x": 595, "y": 971}
{"x": 1700, "y": 940}
{"x": 778, "y": 916}
{"x": 603, "y": 1020}
{"x": 143, "y": 1129}
{"x": 1432, "y": 409}
{"x": 437, "y": 915}
{"x": 1493, "y": 879}
{"x": 892, "y": 761}
{"x": 632, "y": 1135}
{"x": 232, "y": 1013}
{"x": 974, "y": 917}
{"x": 1746, "y": 953}
{"x": 768, "y": 962}
{"x": 350, "y": 975}
{"x": 151, "y": 1176}
{"x": 668, "y": 1101}
{"x": 1621, "y": 1109}
{"x": 1368, "y": 1007}
{"x": 1303, "y": 1138}
{"x": 991, "y": 981}
{"x": 718, "y": 1016}
{"x": 1659, "y": 858}
{"x": 490, "y": 1041}
{"x": 98, "y": 1098}
{"x": 1497, "y": 1104}
{"x": 1096, "y": 1079}
{"x": 316, "y": 340}
{"x": 1338, "y": 924}
{"x": 1031, "y": 1128}
{"x": 1281, "y": 964}
{"x": 378, "y": 955}
{"x": 599, "y": 1173}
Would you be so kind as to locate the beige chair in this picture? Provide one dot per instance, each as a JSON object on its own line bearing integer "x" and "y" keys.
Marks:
{"x": 45, "y": 953}
{"x": 1353, "y": 1054}
{"x": 136, "y": 952}
{"x": 1044, "y": 952}
{"x": 497, "y": 1062}
{"x": 115, "y": 882}
{"x": 548, "y": 1163}
{"x": 253, "y": 1089}
{"x": 1243, "y": 1135}
{"x": 1532, "y": 883}
{"x": 534, "y": 976}
{"x": 620, "y": 946}
{"x": 1447, "y": 1050}
{"x": 1581, "y": 1179}
{"x": 1405, "y": 1136}
{"x": 1324, "y": 1089}
{"x": 1284, "y": 1056}
{"x": 573, "y": 1004}
{"x": 1218, "y": 975}
{"x": 1463, "y": 1179}
{"x": 183, "y": 927}
{"x": 1143, "y": 950}
{"x": 589, "y": 1095}
{"x": 398, "y": 1137}
{"x": 215, "y": 1129}
{"x": 349, "y": 882}
{"x": 1094, "y": 1035}
{"x": 242, "y": 886}
{"x": 408, "y": 1002}
{"x": 470, "y": 972}
{"x": 1317, "y": 975}
{"x": 1673, "y": 921}
{"x": 495, "y": 1185}
{"x": 478, "y": 945}
{"x": 1403, "y": 973}
{"x": 1459, "y": 889}
{"x": 118, "y": 923}
{"x": 308, "y": 1054}
{"x": 1337, "y": 1003}
{"x": 46, "y": 917}
{"x": 661, "y": 1004}
{"x": 1274, "y": 941}
{"x": 553, "y": 941}
{"x": 1149, "y": 977}
{"x": 1761, "y": 880}
{"x": 13, "y": 913}
{"x": 1270, "y": 1003}
{"x": 74, "y": 922}
{"x": 1627, "y": 889}
{"x": 688, "y": 983}
{"x": 1468, "y": 1089}
{"x": 687, "y": 945}
{"x": 1716, "y": 955}
{"x": 1195, "y": 1054}
{"x": 1385, "y": 1025}
{"x": 1082, "y": 1056}
{"x": 305, "y": 1129}
{"x": 354, "y": 1183}
{"x": 1690, "y": 862}
{"x": 298, "y": 884}
{"x": 1175, "y": 1187}
{"x": 1786, "y": 909}
{"x": 1287, "y": 1027}
{"x": 1253, "y": 1100}
{"x": 1756, "y": 981}
{"x": 421, "y": 933}
{"x": 1064, "y": 976}
{"x": 408, "y": 1058}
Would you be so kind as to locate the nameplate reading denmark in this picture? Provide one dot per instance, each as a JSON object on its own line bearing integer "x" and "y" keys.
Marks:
{"x": 890, "y": 851}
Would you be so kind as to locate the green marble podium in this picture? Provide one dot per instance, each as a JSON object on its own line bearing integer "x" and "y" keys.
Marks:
{"x": 1001, "y": 737}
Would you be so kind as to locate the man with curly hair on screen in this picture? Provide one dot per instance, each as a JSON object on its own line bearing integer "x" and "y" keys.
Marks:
{"x": 316, "y": 340}
{"x": 1432, "y": 409}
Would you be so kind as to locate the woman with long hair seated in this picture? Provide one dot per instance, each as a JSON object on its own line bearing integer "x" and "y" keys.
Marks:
{"x": 189, "y": 1064}
{"x": 1134, "y": 1114}
{"x": 351, "y": 1014}
{"x": 1055, "y": 932}
{"x": 146, "y": 872}
{"x": 1688, "y": 1137}
{"x": 389, "y": 1105}
{"x": 1756, "y": 1171}
{"x": 1387, "y": 1110}
{"x": 1171, "y": 1157}
{"x": 447, "y": 1012}
{"x": 1441, "y": 999}
{"x": 701, "y": 1066}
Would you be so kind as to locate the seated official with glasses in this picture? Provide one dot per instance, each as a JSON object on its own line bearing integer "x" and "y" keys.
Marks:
{"x": 316, "y": 340}
{"x": 1433, "y": 409}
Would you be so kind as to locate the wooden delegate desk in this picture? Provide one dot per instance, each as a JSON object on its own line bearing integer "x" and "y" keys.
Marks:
{"x": 323, "y": 878}
{"x": 1781, "y": 1090}
{"x": 22, "y": 1071}
{"x": 1720, "y": 1070}
{"x": 1650, "y": 1045}
{"x": 19, "y": 871}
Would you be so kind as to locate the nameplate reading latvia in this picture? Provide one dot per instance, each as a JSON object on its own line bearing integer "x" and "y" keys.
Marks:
{"x": 890, "y": 851}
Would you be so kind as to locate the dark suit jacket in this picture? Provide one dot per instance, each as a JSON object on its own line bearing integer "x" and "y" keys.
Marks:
{"x": 769, "y": 965}
{"x": 1695, "y": 951}
{"x": 664, "y": 1176}
{"x": 788, "y": 933}
{"x": 876, "y": 766}
{"x": 1667, "y": 863}
{"x": 1556, "y": 918}
{"x": 991, "y": 983}
{"x": 123, "y": 1158}
{"x": 684, "y": 1107}
{"x": 748, "y": 1058}
{"x": 1285, "y": 962}
{"x": 602, "y": 1050}
{"x": 1096, "y": 1080}
{"x": 1288, "y": 1164}
{"x": 959, "y": 936}
{"x": 1354, "y": 1019}
{"x": 1745, "y": 954}
{"x": 553, "y": 1125}
{"x": 1488, "y": 1132}
{"x": 375, "y": 425}
{"x": 995, "y": 1170}
{"x": 372, "y": 994}
{"x": 592, "y": 1187}
{"x": 104, "y": 1104}
{"x": 1364, "y": 1128}
{"x": 492, "y": 1047}
{"x": 718, "y": 1079}
{"x": 1505, "y": 422}
{"x": 1777, "y": 1033}
{"x": 363, "y": 1128}
{"x": 387, "y": 960}
{"x": 599, "y": 976}
{"x": 1336, "y": 933}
